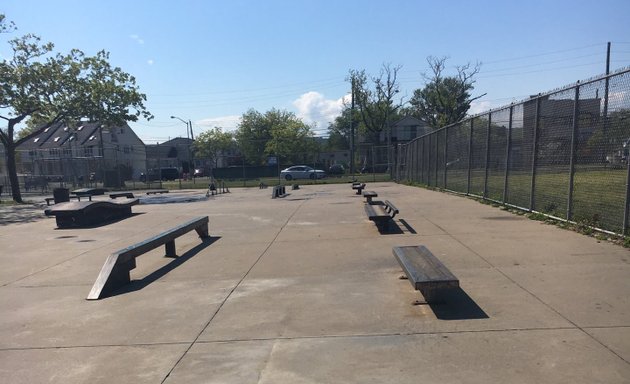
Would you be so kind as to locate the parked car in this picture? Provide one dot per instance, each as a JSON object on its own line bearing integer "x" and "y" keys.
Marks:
{"x": 336, "y": 169}
{"x": 302, "y": 172}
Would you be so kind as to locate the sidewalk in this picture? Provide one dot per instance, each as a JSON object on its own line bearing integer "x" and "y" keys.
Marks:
{"x": 303, "y": 289}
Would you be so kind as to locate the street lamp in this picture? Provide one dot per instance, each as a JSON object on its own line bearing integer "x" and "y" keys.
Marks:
{"x": 188, "y": 136}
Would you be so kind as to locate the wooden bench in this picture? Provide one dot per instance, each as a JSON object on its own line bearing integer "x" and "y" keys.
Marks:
{"x": 128, "y": 195}
{"x": 157, "y": 191}
{"x": 425, "y": 272}
{"x": 115, "y": 271}
{"x": 369, "y": 195}
{"x": 381, "y": 214}
{"x": 358, "y": 187}
{"x": 86, "y": 213}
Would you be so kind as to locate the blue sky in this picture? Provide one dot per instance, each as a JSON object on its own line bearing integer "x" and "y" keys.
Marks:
{"x": 211, "y": 61}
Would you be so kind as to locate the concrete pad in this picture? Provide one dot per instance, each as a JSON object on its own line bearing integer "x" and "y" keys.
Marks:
{"x": 372, "y": 303}
{"x": 107, "y": 364}
{"x": 547, "y": 246}
{"x": 538, "y": 356}
{"x": 617, "y": 339}
{"x": 589, "y": 295}
{"x": 305, "y": 289}
{"x": 61, "y": 317}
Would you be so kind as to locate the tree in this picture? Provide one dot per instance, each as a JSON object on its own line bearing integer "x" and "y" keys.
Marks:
{"x": 444, "y": 100}
{"x": 375, "y": 102}
{"x": 252, "y": 135}
{"x": 339, "y": 131}
{"x": 6, "y": 26}
{"x": 276, "y": 133}
{"x": 212, "y": 143}
{"x": 37, "y": 84}
{"x": 291, "y": 139}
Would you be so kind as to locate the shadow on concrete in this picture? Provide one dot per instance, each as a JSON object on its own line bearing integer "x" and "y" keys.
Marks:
{"x": 408, "y": 227}
{"x": 100, "y": 224}
{"x": 457, "y": 305}
{"x": 20, "y": 214}
{"x": 136, "y": 285}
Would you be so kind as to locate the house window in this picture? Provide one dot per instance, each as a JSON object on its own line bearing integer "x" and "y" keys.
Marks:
{"x": 67, "y": 152}
{"x": 53, "y": 152}
{"x": 87, "y": 151}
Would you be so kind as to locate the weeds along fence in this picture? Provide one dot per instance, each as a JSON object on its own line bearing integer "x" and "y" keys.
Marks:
{"x": 563, "y": 154}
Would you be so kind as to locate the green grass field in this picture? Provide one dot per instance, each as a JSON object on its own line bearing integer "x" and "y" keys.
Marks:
{"x": 599, "y": 193}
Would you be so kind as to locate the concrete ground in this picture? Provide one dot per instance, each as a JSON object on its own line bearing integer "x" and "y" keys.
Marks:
{"x": 304, "y": 289}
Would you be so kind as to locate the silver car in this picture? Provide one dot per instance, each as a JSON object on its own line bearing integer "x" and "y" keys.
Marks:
{"x": 302, "y": 172}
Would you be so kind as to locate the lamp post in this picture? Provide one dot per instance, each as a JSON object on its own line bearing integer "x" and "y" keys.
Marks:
{"x": 191, "y": 163}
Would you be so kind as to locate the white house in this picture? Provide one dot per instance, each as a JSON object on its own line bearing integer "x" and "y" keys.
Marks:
{"x": 84, "y": 150}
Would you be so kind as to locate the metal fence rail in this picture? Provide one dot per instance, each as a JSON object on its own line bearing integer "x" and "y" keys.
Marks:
{"x": 563, "y": 154}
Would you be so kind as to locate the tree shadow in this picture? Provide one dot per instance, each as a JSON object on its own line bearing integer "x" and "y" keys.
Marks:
{"x": 136, "y": 285}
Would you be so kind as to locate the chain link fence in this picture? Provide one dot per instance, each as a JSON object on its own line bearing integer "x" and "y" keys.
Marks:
{"x": 563, "y": 154}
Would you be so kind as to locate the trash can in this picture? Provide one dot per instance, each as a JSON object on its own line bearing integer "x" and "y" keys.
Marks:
{"x": 61, "y": 195}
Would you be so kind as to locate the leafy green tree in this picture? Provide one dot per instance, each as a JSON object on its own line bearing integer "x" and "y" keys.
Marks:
{"x": 252, "y": 135}
{"x": 275, "y": 133}
{"x": 37, "y": 84}
{"x": 291, "y": 139}
{"x": 444, "y": 99}
{"x": 339, "y": 131}
{"x": 212, "y": 143}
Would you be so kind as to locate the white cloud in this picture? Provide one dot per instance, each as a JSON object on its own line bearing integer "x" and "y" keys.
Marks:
{"x": 137, "y": 39}
{"x": 228, "y": 123}
{"x": 479, "y": 106}
{"x": 314, "y": 108}
{"x": 150, "y": 61}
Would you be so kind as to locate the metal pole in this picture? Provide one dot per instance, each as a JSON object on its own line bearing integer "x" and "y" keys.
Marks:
{"x": 485, "y": 182}
{"x": 576, "y": 107}
{"x": 470, "y": 153}
{"x": 445, "y": 154}
{"x": 626, "y": 216}
{"x": 532, "y": 199}
{"x": 352, "y": 130}
{"x": 508, "y": 151}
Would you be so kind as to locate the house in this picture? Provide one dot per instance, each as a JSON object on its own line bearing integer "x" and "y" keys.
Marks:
{"x": 406, "y": 129}
{"x": 82, "y": 151}
{"x": 177, "y": 153}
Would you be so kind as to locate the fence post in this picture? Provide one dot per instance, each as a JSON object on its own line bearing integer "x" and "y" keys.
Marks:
{"x": 508, "y": 151}
{"x": 485, "y": 182}
{"x": 470, "y": 153}
{"x": 574, "y": 134}
{"x": 437, "y": 156}
{"x": 532, "y": 200}
{"x": 429, "y": 158}
{"x": 626, "y": 215}
{"x": 445, "y": 155}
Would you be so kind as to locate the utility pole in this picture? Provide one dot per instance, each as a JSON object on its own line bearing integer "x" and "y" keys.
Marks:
{"x": 606, "y": 86}
{"x": 352, "y": 128}
{"x": 191, "y": 153}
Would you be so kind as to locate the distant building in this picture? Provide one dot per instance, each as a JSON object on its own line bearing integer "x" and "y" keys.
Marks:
{"x": 406, "y": 129}
{"x": 84, "y": 150}
{"x": 177, "y": 152}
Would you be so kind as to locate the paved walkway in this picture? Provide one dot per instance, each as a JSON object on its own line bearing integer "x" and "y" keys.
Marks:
{"x": 304, "y": 289}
